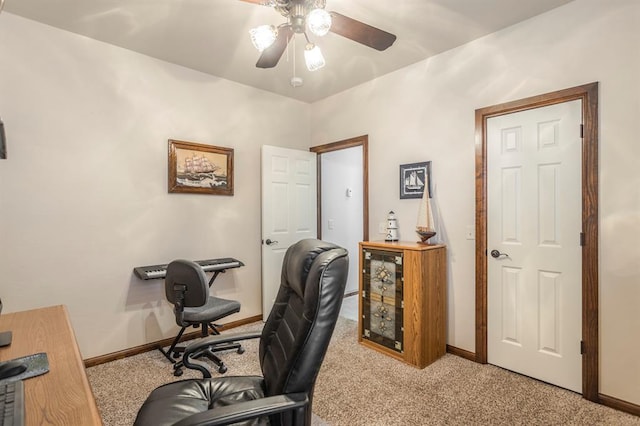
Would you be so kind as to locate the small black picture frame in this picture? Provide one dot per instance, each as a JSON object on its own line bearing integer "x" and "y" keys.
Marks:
{"x": 412, "y": 179}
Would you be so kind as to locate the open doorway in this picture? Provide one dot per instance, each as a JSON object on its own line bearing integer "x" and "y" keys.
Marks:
{"x": 343, "y": 201}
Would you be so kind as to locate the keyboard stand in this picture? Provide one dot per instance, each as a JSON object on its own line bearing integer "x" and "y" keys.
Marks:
{"x": 215, "y": 275}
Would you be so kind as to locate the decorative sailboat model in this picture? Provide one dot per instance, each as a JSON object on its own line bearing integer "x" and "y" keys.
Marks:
{"x": 425, "y": 226}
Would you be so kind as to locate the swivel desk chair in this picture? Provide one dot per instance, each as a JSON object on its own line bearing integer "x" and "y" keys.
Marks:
{"x": 292, "y": 346}
{"x": 187, "y": 289}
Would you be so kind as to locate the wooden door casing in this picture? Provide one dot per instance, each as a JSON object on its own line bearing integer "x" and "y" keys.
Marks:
{"x": 588, "y": 93}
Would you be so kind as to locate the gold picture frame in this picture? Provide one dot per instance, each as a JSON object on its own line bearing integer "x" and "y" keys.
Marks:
{"x": 200, "y": 169}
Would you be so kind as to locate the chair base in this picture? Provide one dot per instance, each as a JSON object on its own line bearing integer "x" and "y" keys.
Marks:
{"x": 175, "y": 351}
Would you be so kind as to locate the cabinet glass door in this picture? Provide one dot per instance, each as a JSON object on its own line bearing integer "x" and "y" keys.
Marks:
{"x": 382, "y": 298}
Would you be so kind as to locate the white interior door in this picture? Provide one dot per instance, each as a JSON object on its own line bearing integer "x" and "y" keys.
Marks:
{"x": 289, "y": 211}
{"x": 533, "y": 243}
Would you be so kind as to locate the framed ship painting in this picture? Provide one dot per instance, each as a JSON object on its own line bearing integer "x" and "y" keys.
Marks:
{"x": 413, "y": 178}
{"x": 200, "y": 169}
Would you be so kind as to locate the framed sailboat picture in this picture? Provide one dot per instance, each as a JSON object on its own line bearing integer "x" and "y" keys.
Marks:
{"x": 413, "y": 179}
{"x": 200, "y": 169}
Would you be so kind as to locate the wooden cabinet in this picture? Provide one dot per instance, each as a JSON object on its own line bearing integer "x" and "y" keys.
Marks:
{"x": 403, "y": 300}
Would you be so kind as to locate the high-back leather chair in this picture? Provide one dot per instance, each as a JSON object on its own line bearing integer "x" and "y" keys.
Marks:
{"x": 293, "y": 343}
{"x": 187, "y": 289}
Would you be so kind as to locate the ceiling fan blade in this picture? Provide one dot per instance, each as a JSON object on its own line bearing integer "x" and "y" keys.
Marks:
{"x": 271, "y": 55}
{"x": 361, "y": 32}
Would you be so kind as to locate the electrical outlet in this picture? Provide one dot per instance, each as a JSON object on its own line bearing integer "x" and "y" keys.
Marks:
{"x": 330, "y": 223}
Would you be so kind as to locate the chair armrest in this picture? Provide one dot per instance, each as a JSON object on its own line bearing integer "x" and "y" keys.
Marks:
{"x": 212, "y": 341}
{"x": 250, "y": 410}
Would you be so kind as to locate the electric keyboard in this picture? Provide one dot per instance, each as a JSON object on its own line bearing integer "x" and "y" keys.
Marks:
{"x": 210, "y": 265}
{"x": 12, "y": 403}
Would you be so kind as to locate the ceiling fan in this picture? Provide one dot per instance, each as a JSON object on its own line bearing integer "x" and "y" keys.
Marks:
{"x": 303, "y": 15}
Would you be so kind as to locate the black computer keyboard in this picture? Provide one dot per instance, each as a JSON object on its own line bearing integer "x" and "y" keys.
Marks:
{"x": 12, "y": 403}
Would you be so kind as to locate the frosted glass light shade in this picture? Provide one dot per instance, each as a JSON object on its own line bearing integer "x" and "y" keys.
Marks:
{"x": 319, "y": 22}
{"x": 313, "y": 57}
{"x": 263, "y": 36}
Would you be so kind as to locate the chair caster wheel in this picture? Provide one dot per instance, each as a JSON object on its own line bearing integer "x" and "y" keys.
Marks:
{"x": 222, "y": 369}
{"x": 176, "y": 355}
{"x": 240, "y": 350}
{"x": 177, "y": 372}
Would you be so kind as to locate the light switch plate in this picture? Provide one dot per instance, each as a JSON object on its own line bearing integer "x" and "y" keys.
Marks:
{"x": 471, "y": 232}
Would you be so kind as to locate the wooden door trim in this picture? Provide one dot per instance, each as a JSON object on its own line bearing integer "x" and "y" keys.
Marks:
{"x": 362, "y": 141}
{"x": 588, "y": 93}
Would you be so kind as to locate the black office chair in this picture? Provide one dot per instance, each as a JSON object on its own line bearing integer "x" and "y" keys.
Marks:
{"x": 293, "y": 344}
{"x": 186, "y": 287}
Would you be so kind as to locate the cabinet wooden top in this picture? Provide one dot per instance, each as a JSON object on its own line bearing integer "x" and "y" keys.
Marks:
{"x": 400, "y": 245}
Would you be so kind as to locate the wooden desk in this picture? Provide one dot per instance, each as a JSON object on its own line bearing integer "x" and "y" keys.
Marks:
{"x": 62, "y": 396}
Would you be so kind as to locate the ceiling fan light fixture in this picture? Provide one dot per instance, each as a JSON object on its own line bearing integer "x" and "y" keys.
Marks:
{"x": 319, "y": 22}
{"x": 313, "y": 57}
{"x": 263, "y": 36}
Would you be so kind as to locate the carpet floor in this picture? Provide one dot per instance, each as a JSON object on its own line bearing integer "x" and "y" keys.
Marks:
{"x": 359, "y": 386}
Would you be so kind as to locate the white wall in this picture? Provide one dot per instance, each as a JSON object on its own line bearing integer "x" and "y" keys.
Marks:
{"x": 342, "y": 170}
{"x": 83, "y": 193}
{"x": 426, "y": 112}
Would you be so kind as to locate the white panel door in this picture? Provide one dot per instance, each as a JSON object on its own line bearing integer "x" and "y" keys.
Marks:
{"x": 289, "y": 211}
{"x": 533, "y": 243}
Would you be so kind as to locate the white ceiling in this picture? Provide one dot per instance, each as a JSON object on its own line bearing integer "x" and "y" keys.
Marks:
{"x": 212, "y": 35}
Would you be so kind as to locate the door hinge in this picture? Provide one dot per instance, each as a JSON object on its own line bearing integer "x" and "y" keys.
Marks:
{"x": 582, "y": 239}
{"x": 583, "y": 350}
{"x": 582, "y": 130}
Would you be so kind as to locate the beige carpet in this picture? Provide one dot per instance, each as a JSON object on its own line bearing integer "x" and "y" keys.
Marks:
{"x": 358, "y": 386}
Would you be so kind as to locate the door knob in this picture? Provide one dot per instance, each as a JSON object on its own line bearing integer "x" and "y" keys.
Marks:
{"x": 270, "y": 242}
{"x": 496, "y": 254}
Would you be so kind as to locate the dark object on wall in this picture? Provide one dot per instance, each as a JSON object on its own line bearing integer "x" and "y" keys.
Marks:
{"x": 3, "y": 142}
{"x": 413, "y": 178}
